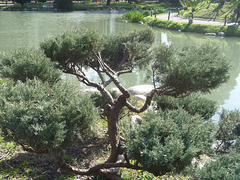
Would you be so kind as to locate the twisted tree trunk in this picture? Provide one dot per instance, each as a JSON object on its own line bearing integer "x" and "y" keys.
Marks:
{"x": 114, "y": 129}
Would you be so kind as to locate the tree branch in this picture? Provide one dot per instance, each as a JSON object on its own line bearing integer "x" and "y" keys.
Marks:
{"x": 122, "y": 62}
{"x": 112, "y": 75}
{"x": 100, "y": 87}
{"x": 125, "y": 71}
{"x": 101, "y": 169}
{"x": 146, "y": 104}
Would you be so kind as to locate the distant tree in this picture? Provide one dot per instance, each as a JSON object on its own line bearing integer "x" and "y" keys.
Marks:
{"x": 63, "y": 5}
{"x": 165, "y": 141}
{"x": 42, "y": 1}
{"x": 22, "y": 2}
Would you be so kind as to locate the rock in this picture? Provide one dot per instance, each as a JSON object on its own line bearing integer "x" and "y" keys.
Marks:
{"x": 179, "y": 30}
{"x": 116, "y": 90}
{"x": 202, "y": 161}
{"x": 210, "y": 34}
{"x": 141, "y": 97}
{"x": 140, "y": 22}
{"x": 140, "y": 89}
{"x": 135, "y": 119}
{"x": 190, "y": 21}
{"x": 90, "y": 90}
{"x": 153, "y": 106}
{"x": 221, "y": 34}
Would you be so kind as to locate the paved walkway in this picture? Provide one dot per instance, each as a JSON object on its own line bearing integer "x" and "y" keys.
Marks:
{"x": 175, "y": 17}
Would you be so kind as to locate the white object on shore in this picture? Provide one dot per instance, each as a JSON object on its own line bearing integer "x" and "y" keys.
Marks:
{"x": 140, "y": 89}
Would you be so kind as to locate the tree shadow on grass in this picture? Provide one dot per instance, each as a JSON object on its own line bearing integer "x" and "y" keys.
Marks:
{"x": 25, "y": 165}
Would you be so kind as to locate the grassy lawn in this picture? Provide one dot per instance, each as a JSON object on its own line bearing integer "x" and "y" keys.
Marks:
{"x": 198, "y": 28}
{"x": 212, "y": 11}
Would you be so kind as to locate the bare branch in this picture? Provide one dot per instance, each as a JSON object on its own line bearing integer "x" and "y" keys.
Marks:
{"x": 112, "y": 75}
{"x": 125, "y": 71}
{"x": 122, "y": 62}
{"x": 145, "y": 106}
{"x": 101, "y": 169}
{"x": 100, "y": 87}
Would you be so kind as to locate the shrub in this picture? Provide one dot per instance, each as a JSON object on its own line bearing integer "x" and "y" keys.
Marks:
{"x": 42, "y": 1}
{"x": 226, "y": 167}
{"x": 25, "y": 64}
{"x": 63, "y": 5}
{"x": 43, "y": 118}
{"x": 167, "y": 141}
{"x": 135, "y": 16}
{"x": 22, "y": 2}
{"x": 228, "y": 129}
{"x": 193, "y": 104}
{"x": 174, "y": 2}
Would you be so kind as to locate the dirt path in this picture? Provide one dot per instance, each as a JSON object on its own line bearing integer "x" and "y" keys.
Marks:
{"x": 175, "y": 17}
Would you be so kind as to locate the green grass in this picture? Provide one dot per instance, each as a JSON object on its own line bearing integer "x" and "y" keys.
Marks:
{"x": 211, "y": 11}
{"x": 8, "y": 146}
{"x": 198, "y": 28}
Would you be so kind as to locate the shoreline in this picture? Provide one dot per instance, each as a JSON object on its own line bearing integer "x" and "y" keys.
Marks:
{"x": 231, "y": 30}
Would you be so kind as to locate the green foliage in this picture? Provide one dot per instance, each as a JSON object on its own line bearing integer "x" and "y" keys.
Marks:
{"x": 44, "y": 118}
{"x": 190, "y": 3}
{"x": 198, "y": 28}
{"x": 22, "y": 2}
{"x": 174, "y": 2}
{"x": 135, "y": 16}
{"x": 167, "y": 141}
{"x": 26, "y": 64}
{"x": 207, "y": 10}
{"x": 80, "y": 48}
{"x": 99, "y": 100}
{"x": 2, "y": 81}
{"x": 23, "y": 167}
{"x": 42, "y": 1}
{"x": 74, "y": 47}
{"x": 193, "y": 104}
{"x": 9, "y": 146}
{"x": 133, "y": 46}
{"x": 63, "y": 5}
{"x": 228, "y": 128}
{"x": 226, "y": 167}
{"x": 235, "y": 2}
{"x": 192, "y": 69}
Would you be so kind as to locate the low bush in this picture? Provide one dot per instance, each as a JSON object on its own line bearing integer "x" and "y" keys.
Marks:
{"x": 45, "y": 118}
{"x": 226, "y": 167}
{"x": 135, "y": 16}
{"x": 228, "y": 130}
{"x": 167, "y": 141}
{"x": 63, "y": 5}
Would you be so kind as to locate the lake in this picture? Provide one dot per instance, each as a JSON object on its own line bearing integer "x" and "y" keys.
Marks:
{"x": 27, "y": 29}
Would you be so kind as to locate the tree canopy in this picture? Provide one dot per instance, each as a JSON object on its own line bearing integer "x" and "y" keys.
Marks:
{"x": 165, "y": 141}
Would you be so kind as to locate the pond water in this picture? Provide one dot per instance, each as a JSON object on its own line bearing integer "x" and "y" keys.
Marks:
{"x": 28, "y": 29}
